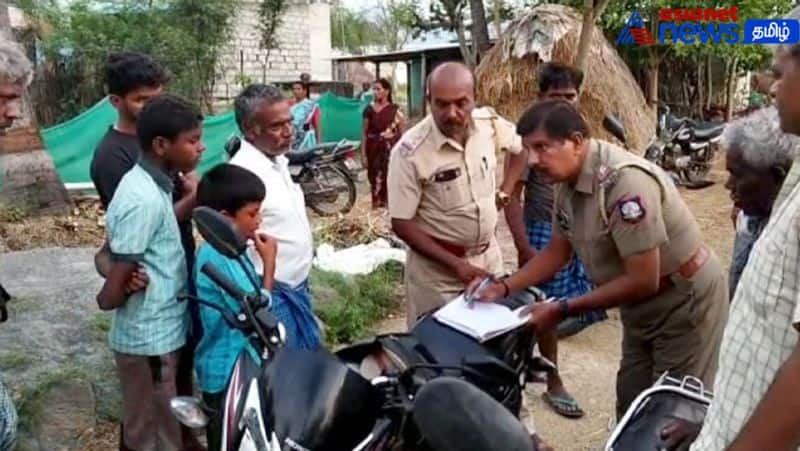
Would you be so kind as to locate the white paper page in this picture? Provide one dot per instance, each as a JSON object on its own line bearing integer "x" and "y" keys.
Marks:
{"x": 480, "y": 320}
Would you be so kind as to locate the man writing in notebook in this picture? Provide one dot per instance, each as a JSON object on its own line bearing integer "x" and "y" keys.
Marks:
{"x": 441, "y": 185}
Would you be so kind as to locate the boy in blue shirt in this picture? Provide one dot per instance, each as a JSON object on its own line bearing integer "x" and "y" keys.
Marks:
{"x": 149, "y": 327}
{"x": 237, "y": 193}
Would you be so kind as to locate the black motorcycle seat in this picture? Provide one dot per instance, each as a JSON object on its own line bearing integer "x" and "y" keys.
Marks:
{"x": 708, "y": 130}
{"x": 322, "y": 405}
{"x": 301, "y": 157}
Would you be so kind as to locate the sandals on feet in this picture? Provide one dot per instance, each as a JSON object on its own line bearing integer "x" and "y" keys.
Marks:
{"x": 563, "y": 405}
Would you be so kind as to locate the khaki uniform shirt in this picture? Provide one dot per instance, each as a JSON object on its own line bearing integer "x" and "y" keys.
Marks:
{"x": 643, "y": 211}
{"x": 449, "y": 190}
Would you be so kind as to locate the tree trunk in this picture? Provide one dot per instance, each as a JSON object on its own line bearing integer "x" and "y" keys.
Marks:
{"x": 480, "y": 29}
{"x": 469, "y": 55}
{"x": 497, "y": 9}
{"x": 709, "y": 81}
{"x": 28, "y": 179}
{"x": 702, "y": 92}
{"x": 731, "y": 87}
{"x": 5, "y": 21}
{"x": 585, "y": 41}
{"x": 651, "y": 74}
{"x": 592, "y": 10}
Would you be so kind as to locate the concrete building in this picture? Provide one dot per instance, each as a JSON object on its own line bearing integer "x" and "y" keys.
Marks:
{"x": 304, "y": 45}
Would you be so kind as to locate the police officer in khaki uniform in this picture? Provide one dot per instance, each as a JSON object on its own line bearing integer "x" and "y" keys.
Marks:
{"x": 642, "y": 249}
{"x": 441, "y": 190}
{"x": 442, "y": 199}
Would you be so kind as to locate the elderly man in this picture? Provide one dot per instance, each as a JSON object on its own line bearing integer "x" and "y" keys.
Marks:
{"x": 759, "y": 155}
{"x": 265, "y": 121}
{"x": 15, "y": 75}
{"x": 756, "y": 397}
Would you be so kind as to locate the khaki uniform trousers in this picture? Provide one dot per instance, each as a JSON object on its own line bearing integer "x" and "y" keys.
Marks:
{"x": 678, "y": 331}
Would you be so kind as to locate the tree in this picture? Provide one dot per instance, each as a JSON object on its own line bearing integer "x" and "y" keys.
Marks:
{"x": 737, "y": 59}
{"x": 389, "y": 24}
{"x": 592, "y": 10}
{"x": 351, "y": 30}
{"x": 480, "y": 29}
{"x": 448, "y": 15}
{"x": 270, "y": 14}
{"x": 29, "y": 178}
{"x": 188, "y": 36}
{"x": 501, "y": 11}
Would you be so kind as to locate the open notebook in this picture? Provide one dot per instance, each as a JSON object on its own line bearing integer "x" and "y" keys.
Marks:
{"x": 483, "y": 321}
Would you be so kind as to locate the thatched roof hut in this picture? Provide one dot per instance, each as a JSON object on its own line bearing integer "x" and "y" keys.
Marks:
{"x": 508, "y": 75}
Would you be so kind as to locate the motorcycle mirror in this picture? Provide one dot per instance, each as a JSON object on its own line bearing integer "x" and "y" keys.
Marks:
{"x": 454, "y": 415}
{"x": 219, "y": 232}
{"x": 613, "y": 125}
{"x": 188, "y": 411}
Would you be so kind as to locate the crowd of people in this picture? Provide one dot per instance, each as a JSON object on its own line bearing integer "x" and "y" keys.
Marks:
{"x": 595, "y": 226}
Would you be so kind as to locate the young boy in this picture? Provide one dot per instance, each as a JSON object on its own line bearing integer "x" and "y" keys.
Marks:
{"x": 237, "y": 193}
{"x": 133, "y": 79}
{"x": 149, "y": 327}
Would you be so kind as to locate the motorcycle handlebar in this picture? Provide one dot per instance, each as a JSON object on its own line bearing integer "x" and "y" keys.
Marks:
{"x": 223, "y": 281}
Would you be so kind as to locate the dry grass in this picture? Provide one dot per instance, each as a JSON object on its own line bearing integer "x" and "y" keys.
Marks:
{"x": 508, "y": 77}
{"x": 103, "y": 437}
{"x": 83, "y": 227}
{"x": 360, "y": 226}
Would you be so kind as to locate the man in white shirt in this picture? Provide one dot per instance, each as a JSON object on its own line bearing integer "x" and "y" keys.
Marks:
{"x": 265, "y": 122}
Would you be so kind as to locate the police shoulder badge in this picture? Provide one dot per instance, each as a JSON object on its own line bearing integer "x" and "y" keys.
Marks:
{"x": 631, "y": 209}
{"x": 606, "y": 176}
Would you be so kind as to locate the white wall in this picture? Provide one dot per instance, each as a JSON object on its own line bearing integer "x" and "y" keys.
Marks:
{"x": 319, "y": 25}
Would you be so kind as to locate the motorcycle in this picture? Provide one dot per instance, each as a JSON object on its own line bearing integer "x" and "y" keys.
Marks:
{"x": 326, "y": 174}
{"x": 684, "y": 147}
{"x": 316, "y": 400}
{"x": 668, "y": 400}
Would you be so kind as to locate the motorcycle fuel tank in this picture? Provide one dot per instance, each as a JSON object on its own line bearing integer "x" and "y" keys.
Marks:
{"x": 313, "y": 401}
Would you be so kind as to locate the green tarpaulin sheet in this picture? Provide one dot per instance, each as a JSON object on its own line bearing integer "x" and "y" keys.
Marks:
{"x": 72, "y": 143}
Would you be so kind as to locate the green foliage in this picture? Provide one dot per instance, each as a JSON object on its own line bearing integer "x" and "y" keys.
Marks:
{"x": 12, "y": 214}
{"x": 352, "y": 30}
{"x": 13, "y": 361}
{"x": 388, "y": 24}
{"x": 187, "y": 36}
{"x": 442, "y": 14}
{"x": 31, "y": 403}
{"x": 100, "y": 324}
{"x": 270, "y": 13}
{"x": 350, "y": 306}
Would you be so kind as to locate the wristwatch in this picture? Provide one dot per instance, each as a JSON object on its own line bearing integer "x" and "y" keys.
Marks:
{"x": 501, "y": 199}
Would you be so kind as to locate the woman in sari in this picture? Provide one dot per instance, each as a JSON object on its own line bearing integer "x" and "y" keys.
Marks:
{"x": 305, "y": 118}
{"x": 383, "y": 126}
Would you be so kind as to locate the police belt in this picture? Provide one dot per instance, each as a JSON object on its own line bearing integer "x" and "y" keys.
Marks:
{"x": 687, "y": 269}
{"x": 462, "y": 251}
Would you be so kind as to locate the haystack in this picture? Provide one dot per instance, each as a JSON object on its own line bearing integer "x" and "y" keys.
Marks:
{"x": 508, "y": 75}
